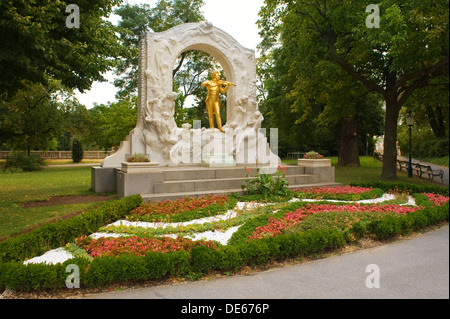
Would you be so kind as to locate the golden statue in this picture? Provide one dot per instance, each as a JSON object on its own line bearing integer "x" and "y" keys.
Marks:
{"x": 214, "y": 86}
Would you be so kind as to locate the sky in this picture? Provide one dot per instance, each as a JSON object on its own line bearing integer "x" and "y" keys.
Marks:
{"x": 236, "y": 17}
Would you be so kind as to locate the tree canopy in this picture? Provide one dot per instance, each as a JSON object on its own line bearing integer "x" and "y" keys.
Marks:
{"x": 406, "y": 52}
{"x": 38, "y": 44}
{"x": 139, "y": 18}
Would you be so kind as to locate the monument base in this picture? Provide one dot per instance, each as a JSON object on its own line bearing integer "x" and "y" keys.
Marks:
{"x": 217, "y": 149}
{"x": 324, "y": 162}
{"x": 219, "y": 160}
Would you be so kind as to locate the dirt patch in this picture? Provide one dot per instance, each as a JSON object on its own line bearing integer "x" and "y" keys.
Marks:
{"x": 67, "y": 200}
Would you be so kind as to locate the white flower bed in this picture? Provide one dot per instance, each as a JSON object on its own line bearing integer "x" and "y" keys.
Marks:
{"x": 60, "y": 255}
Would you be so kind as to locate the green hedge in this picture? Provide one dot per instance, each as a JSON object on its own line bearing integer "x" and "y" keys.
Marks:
{"x": 405, "y": 187}
{"x": 58, "y": 234}
{"x": 104, "y": 271}
{"x": 391, "y": 226}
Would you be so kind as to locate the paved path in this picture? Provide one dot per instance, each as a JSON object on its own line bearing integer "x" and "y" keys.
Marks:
{"x": 415, "y": 267}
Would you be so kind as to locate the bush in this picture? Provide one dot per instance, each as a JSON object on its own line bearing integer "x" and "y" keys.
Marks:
{"x": 405, "y": 187}
{"x": 77, "y": 151}
{"x": 204, "y": 259}
{"x": 431, "y": 148}
{"x": 20, "y": 161}
{"x": 158, "y": 264}
{"x": 390, "y": 226}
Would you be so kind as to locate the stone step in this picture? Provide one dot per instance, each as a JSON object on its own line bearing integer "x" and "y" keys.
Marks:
{"x": 194, "y": 173}
{"x": 211, "y": 184}
{"x": 180, "y": 195}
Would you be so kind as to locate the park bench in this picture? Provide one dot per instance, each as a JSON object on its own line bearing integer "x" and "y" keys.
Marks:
{"x": 404, "y": 164}
{"x": 426, "y": 169}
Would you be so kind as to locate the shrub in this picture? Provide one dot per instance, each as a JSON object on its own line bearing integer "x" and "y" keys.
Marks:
{"x": 313, "y": 155}
{"x": 20, "y": 161}
{"x": 138, "y": 158}
{"x": 204, "y": 259}
{"x": 229, "y": 258}
{"x": 77, "y": 151}
{"x": 157, "y": 264}
{"x": 16, "y": 276}
{"x": 266, "y": 184}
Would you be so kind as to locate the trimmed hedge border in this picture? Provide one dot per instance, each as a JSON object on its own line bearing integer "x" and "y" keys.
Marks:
{"x": 104, "y": 271}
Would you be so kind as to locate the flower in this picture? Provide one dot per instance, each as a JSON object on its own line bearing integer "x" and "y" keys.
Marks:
{"x": 178, "y": 206}
{"x": 292, "y": 218}
{"x": 313, "y": 155}
{"x": 138, "y": 158}
{"x": 140, "y": 245}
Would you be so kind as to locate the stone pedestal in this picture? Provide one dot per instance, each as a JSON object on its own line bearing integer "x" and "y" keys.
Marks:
{"x": 218, "y": 147}
{"x": 314, "y": 162}
{"x": 141, "y": 167}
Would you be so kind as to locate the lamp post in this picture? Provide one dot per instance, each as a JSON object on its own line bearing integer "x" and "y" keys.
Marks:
{"x": 410, "y": 123}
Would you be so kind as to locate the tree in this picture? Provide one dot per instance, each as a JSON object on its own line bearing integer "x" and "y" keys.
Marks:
{"x": 112, "y": 123}
{"x": 315, "y": 100}
{"x": 77, "y": 151}
{"x": 37, "y": 44}
{"x": 137, "y": 19}
{"x": 430, "y": 106}
{"x": 407, "y": 51}
{"x": 31, "y": 119}
{"x": 77, "y": 122}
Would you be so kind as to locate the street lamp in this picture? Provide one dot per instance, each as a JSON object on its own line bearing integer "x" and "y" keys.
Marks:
{"x": 410, "y": 123}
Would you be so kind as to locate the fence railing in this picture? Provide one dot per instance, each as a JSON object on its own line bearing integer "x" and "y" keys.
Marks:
{"x": 63, "y": 154}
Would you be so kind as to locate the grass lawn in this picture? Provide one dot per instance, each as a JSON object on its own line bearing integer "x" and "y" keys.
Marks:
{"x": 19, "y": 188}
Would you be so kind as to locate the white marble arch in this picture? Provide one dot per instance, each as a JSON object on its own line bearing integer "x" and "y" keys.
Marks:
{"x": 156, "y": 132}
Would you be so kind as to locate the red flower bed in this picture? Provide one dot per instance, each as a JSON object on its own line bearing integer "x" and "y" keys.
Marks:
{"x": 437, "y": 199}
{"x": 182, "y": 205}
{"x": 336, "y": 190}
{"x": 138, "y": 245}
{"x": 290, "y": 219}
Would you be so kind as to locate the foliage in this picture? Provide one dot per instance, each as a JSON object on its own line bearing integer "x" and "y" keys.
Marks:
{"x": 77, "y": 122}
{"x": 182, "y": 209}
{"x": 136, "y": 19}
{"x": 38, "y": 45}
{"x": 112, "y": 123}
{"x": 313, "y": 155}
{"x": 138, "y": 158}
{"x": 20, "y": 161}
{"x": 266, "y": 184}
{"x": 330, "y": 41}
{"x": 339, "y": 192}
{"x": 31, "y": 118}
{"x": 77, "y": 151}
{"x": 138, "y": 246}
{"x": 292, "y": 218}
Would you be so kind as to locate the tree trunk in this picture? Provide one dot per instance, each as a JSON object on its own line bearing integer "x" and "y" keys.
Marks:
{"x": 436, "y": 120}
{"x": 389, "y": 170}
{"x": 347, "y": 140}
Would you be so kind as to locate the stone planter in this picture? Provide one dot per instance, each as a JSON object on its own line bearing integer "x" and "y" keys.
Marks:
{"x": 323, "y": 162}
{"x": 144, "y": 167}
